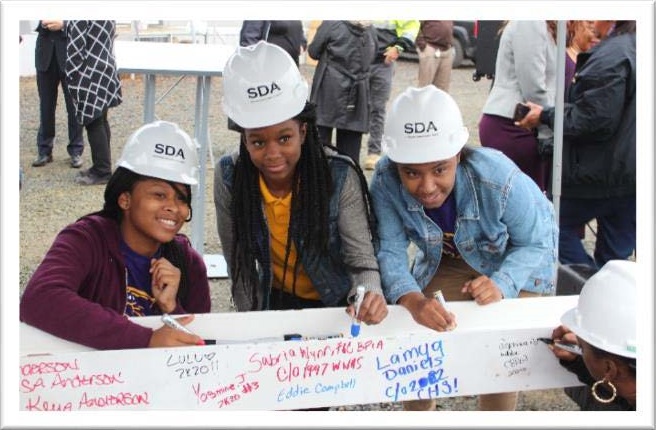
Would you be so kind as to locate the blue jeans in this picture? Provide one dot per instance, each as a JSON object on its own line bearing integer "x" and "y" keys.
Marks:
{"x": 616, "y": 229}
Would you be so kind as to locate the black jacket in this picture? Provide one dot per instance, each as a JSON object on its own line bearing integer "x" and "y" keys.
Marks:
{"x": 286, "y": 34}
{"x": 387, "y": 37}
{"x": 599, "y": 124}
{"x": 340, "y": 86}
{"x": 49, "y": 43}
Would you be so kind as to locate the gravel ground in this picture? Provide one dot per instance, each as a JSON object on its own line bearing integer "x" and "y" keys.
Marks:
{"x": 50, "y": 199}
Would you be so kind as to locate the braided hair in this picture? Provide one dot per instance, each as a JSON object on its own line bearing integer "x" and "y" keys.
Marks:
{"x": 124, "y": 180}
{"x": 310, "y": 197}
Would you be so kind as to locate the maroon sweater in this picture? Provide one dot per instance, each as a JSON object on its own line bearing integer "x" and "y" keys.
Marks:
{"x": 78, "y": 291}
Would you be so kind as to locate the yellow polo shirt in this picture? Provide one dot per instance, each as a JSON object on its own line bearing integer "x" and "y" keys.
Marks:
{"x": 277, "y": 211}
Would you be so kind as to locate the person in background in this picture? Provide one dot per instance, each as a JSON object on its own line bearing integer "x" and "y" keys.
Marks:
{"x": 604, "y": 325}
{"x": 483, "y": 229}
{"x": 95, "y": 87}
{"x": 288, "y": 35}
{"x": 392, "y": 38}
{"x": 525, "y": 70}
{"x": 599, "y": 147}
{"x": 50, "y": 64}
{"x": 292, "y": 215}
{"x": 128, "y": 259}
{"x": 340, "y": 87}
{"x": 434, "y": 48}
{"x": 581, "y": 36}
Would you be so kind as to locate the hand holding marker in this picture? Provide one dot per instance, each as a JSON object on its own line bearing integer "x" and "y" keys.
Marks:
{"x": 355, "y": 322}
{"x": 440, "y": 298}
{"x": 570, "y": 347}
{"x": 173, "y": 323}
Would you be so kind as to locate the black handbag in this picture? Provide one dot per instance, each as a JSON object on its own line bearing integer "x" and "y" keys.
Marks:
{"x": 546, "y": 146}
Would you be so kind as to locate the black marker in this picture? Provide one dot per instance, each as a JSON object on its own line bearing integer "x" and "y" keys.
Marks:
{"x": 286, "y": 337}
{"x": 574, "y": 349}
{"x": 293, "y": 336}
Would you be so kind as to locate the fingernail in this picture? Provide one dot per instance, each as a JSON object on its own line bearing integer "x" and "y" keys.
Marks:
{"x": 200, "y": 342}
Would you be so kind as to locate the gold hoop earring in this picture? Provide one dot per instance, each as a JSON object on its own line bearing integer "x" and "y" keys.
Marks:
{"x": 601, "y": 399}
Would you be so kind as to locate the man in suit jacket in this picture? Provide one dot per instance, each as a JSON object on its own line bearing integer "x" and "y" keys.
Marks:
{"x": 50, "y": 63}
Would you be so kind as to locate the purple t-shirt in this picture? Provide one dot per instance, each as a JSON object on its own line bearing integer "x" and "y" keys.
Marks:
{"x": 140, "y": 301}
{"x": 570, "y": 69}
{"x": 445, "y": 218}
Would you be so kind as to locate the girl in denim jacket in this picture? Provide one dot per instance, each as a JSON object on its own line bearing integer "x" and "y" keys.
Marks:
{"x": 293, "y": 215}
{"x": 483, "y": 229}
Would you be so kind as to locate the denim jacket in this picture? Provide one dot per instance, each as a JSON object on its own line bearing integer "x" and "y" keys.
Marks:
{"x": 352, "y": 259}
{"x": 505, "y": 227}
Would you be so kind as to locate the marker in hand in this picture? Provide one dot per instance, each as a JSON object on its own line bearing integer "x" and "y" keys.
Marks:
{"x": 440, "y": 298}
{"x": 570, "y": 347}
{"x": 173, "y": 323}
{"x": 355, "y": 322}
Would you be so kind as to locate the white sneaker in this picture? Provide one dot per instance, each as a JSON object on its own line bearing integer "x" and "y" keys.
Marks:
{"x": 370, "y": 161}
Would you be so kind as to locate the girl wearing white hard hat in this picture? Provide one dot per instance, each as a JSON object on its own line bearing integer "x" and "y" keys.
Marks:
{"x": 604, "y": 325}
{"x": 483, "y": 229}
{"x": 293, "y": 215}
{"x": 127, "y": 259}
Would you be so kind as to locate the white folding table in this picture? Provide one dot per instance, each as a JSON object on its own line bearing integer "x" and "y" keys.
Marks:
{"x": 200, "y": 60}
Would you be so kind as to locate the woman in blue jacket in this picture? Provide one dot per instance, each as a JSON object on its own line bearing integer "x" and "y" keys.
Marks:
{"x": 483, "y": 229}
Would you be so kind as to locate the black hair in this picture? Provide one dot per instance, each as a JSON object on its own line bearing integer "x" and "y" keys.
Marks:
{"x": 622, "y": 27}
{"x": 600, "y": 353}
{"x": 464, "y": 152}
{"x": 310, "y": 199}
{"x": 124, "y": 180}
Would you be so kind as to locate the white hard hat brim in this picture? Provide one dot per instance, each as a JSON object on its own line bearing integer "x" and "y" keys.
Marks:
{"x": 427, "y": 152}
{"x": 265, "y": 116}
{"x": 569, "y": 319}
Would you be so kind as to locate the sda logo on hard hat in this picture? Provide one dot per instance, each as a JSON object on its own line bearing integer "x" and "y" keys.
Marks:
{"x": 263, "y": 91}
{"x": 262, "y": 86}
{"x": 414, "y": 129}
{"x": 169, "y": 152}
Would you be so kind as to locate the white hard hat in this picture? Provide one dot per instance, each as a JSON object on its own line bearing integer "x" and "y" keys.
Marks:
{"x": 162, "y": 150}
{"x": 262, "y": 86}
{"x": 423, "y": 125}
{"x": 606, "y": 313}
